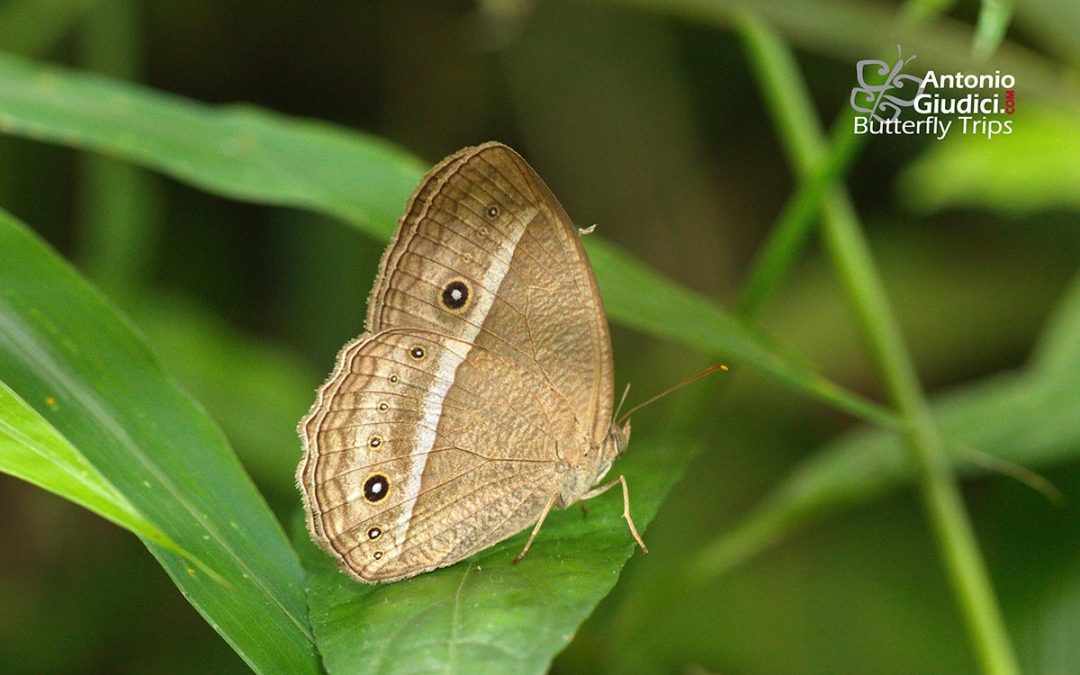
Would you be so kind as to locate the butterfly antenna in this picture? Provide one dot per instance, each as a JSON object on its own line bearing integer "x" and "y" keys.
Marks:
{"x": 621, "y": 401}
{"x": 670, "y": 390}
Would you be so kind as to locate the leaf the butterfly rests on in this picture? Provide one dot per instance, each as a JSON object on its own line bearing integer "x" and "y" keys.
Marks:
{"x": 480, "y": 393}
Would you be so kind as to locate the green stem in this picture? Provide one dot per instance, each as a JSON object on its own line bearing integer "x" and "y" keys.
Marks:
{"x": 118, "y": 205}
{"x": 852, "y": 258}
{"x": 945, "y": 508}
{"x": 788, "y": 237}
{"x": 990, "y": 28}
{"x": 793, "y": 228}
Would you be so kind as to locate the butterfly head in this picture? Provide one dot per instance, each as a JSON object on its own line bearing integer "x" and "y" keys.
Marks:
{"x": 619, "y": 437}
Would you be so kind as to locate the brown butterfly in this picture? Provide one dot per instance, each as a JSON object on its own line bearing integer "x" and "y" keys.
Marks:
{"x": 480, "y": 394}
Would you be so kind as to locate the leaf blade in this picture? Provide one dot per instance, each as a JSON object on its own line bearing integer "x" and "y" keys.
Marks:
{"x": 33, "y": 450}
{"x": 250, "y": 154}
{"x": 485, "y": 615}
{"x": 60, "y": 341}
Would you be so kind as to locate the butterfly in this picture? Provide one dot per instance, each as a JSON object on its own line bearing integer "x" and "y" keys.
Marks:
{"x": 480, "y": 395}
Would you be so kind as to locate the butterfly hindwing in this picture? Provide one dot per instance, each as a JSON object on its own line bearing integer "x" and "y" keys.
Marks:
{"x": 412, "y": 469}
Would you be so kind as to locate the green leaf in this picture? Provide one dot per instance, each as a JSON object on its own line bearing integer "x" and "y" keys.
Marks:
{"x": 1035, "y": 168}
{"x": 33, "y": 450}
{"x": 484, "y": 615}
{"x": 254, "y": 155}
{"x": 67, "y": 353}
{"x": 236, "y": 151}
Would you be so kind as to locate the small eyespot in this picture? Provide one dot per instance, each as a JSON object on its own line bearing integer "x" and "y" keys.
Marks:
{"x": 384, "y": 406}
{"x": 374, "y": 533}
{"x": 375, "y": 441}
{"x": 393, "y": 378}
{"x": 376, "y": 487}
{"x": 417, "y": 352}
{"x": 493, "y": 211}
{"x": 455, "y": 294}
{"x": 377, "y": 555}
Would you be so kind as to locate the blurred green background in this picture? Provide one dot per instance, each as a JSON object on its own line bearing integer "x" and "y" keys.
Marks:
{"x": 646, "y": 119}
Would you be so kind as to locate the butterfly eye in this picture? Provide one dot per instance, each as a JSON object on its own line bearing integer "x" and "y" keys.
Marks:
{"x": 376, "y": 487}
{"x": 455, "y": 294}
{"x": 493, "y": 211}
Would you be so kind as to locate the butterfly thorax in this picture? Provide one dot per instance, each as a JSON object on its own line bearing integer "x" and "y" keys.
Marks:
{"x": 593, "y": 464}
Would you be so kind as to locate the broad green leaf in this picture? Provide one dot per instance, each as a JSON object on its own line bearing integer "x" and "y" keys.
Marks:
{"x": 237, "y": 151}
{"x": 484, "y": 615}
{"x": 1035, "y": 168}
{"x": 67, "y": 353}
{"x": 254, "y": 155}
{"x": 1010, "y": 422}
{"x": 33, "y": 450}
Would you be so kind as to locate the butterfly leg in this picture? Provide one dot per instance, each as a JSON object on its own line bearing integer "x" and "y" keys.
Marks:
{"x": 536, "y": 528}
{"x": 626, "y": 507}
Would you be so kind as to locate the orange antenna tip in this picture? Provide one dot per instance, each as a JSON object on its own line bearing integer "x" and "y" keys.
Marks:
{"x": 708, "y": 371}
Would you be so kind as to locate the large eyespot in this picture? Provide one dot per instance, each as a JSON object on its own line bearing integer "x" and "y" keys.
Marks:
{"x": 417, "y": 352}
{"x": 455, "y": 294}
{"x": 376, "y": 487}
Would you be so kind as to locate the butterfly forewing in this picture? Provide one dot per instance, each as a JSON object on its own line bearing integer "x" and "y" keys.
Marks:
{"x": 484, "y": 217}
